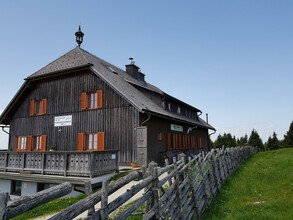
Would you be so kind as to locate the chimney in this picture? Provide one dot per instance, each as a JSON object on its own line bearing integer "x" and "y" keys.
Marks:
{"x": 134, "y": 71}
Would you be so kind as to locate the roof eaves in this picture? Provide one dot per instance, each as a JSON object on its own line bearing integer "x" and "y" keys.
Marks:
{"x": 3, "y": 117}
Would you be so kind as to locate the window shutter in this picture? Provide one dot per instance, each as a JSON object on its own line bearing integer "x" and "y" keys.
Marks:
{"x": 44, "y": 107}
{"x": 32, "y": 107}
{"x": 101, "y": 141}
{"x": 17, "y": 139}
{"x": 44, "y": 142}
{"x": 83, "y": 101}
{"x": 174, "y": 141}
{"x": 29, "y": 143}
{"x": 169, "y": 141}
{"x": 100, "y": 98}
{"x": 80, "y": 141}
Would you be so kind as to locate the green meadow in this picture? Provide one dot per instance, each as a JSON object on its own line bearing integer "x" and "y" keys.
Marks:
{"x": 261, "y": 189}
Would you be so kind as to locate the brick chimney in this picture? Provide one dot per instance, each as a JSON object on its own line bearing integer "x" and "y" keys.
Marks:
{"x": 134, "y": 71}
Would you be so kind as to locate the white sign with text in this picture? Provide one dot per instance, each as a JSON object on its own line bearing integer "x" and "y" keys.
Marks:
{"x": 65, "y": 120}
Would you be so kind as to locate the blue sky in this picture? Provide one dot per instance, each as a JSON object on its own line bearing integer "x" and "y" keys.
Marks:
{"x": 232, "y": 59}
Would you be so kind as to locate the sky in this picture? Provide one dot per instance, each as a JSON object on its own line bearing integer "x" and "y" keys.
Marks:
{"x": 231, "y": 59}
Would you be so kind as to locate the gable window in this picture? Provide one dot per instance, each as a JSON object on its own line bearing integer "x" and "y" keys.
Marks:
{"x": 38, "y": 107}
{"x": 91, "y": 100}
{"x": 90, "y": 141}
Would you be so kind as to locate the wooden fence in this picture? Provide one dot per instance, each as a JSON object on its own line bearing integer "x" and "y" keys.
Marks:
{"x": 12, "y": 208}
{"x": 181, "y": 190}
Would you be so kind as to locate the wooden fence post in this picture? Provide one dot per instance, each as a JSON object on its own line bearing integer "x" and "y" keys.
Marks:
{"x": 153, "y": 203}
{"x": 3, "y": 205}
{"x": 104, "y": 200}
{"x": 167, "y": 164}
{"x": 177, "y": 183}
{"x": 190, "y": 181}
{"x": 89, "y": 191}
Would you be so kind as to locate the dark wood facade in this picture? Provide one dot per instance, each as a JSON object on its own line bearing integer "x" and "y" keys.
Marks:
{"x": 117, "y": 119}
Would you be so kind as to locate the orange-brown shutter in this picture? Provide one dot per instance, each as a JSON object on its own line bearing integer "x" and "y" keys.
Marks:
{"x": 174, "y": 141}
{"x": 169, "y": 141}
{"x": 32, "y": 107}
{"x": 101, "y": 141}
{"x": 180, "y": 141}
{"x": 83, "y": 101}
{"x": 100, "y": 98}
{"x": 80, "y": 141}
{"x": 17, "y": 144}
{"x": 44, "y": 107}
{"x": 43, "y": 142}
{"x": 29, "y": 143}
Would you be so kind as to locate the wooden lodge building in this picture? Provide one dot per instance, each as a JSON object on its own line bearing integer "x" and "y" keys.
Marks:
{"x": 80, "y": 105}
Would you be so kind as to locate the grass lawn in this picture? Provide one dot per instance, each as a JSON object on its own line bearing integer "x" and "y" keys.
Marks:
{"x": 261, "y": 189}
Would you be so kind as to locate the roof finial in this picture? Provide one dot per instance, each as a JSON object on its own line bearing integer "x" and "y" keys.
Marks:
{"x": 79, "y": 36}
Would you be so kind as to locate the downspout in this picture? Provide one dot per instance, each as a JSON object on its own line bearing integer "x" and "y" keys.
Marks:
{"x": 145, "y": 121}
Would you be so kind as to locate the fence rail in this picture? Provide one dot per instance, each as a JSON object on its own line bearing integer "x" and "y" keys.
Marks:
{"x": 12, "y": 208}
{"x": 180, "y": 190}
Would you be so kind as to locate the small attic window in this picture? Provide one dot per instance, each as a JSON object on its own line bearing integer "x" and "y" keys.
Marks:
{"x": 111, "y": 69}
{"x": 178, "y": 110}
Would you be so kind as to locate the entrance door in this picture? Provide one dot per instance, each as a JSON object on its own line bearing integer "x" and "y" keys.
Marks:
{"x": 141, "y": 136}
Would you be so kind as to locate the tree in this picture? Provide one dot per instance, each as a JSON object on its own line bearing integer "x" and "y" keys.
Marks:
{"x": 273, "y": 142}
{"x": 226, "y": 140}
{"x": 242, "y": 140}
{"x": 254, "y": 139}
{"x": 288, "y": 137}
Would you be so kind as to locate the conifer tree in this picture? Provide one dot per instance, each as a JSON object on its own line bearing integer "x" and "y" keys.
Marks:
{"x": 288, "y": 137}
{"x": 254, "y": 139}
{"x": 273, "y": 142}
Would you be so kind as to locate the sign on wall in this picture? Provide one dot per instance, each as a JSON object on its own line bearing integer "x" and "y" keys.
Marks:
{"x": 176, "y": 128}
{"x": 65, "y": 120}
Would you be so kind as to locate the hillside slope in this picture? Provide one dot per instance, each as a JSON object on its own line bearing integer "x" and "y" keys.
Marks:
{"x": 261, "y": 189}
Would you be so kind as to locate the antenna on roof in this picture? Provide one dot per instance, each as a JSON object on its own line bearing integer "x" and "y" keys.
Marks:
{"x": 79, "y": 36}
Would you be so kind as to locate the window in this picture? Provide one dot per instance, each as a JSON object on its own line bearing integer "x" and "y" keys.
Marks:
{"x": 21, "y": 143}
{"x": 178, "y": 110}
{"x": 169, "y": 106}
{"x": 38, "y": 107}
{"x": 42, "y": 186}
{"x": 180, "y": 142}
{"x": 39, "y": 142}
{"x": 30, "y": 143}
{"x": 91, "y": 100}
{"x": 163, "y": 105}
{"x": 90, "y": 141}
{"x": 16, "y": 187}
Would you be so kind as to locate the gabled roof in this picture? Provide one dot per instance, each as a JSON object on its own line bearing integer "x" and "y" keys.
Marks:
{"x": 118, "y": 79}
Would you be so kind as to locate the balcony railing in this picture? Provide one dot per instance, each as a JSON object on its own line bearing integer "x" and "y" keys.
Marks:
{"x": 62, "y": 163}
